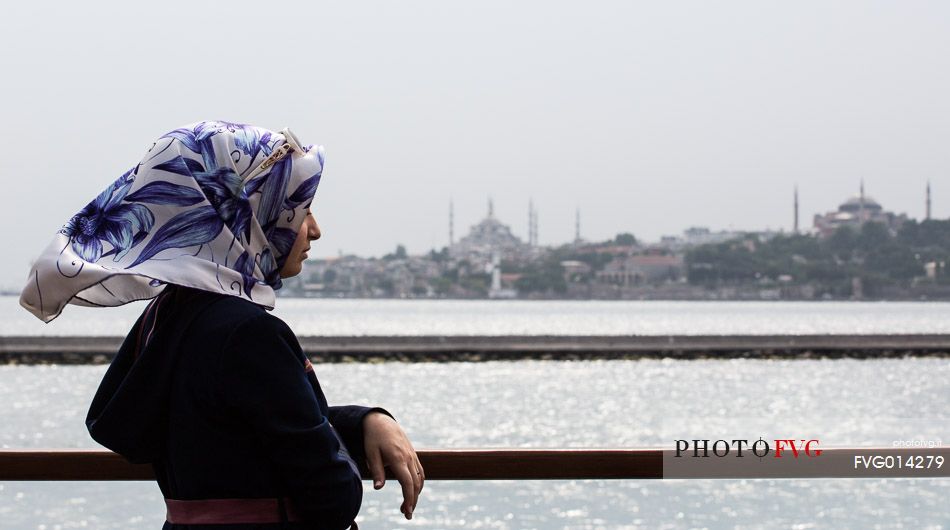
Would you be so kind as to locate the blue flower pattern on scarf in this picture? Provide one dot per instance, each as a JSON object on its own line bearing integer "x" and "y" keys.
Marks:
{"x": 109, "y": 219}
{"x": 176, "y": 203}
{"x": 223, "y": 189}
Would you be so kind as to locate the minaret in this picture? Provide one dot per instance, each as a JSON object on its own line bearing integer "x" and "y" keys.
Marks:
{"x": 577, "y": 225}
{"x": 451, "y": 223}
{"x": 491, "y": 208}
{"x": 795, "y": 227}
{"x": 928, "y": 201}
{"x": 530, "y": 223}
{"x": 861, "y": 204}
{"x": 535, "y": 213}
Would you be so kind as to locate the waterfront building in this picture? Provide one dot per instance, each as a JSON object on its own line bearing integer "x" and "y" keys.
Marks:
{"x": 487, "y": 238}
{"x": 574, "y": 269}
{"x": 856, "y": 211}
{"x": 700, "y": 235}
{"x": 642, "y": 269}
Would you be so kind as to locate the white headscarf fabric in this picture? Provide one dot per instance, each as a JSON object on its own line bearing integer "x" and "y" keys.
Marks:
{"x": 197, "y": 211}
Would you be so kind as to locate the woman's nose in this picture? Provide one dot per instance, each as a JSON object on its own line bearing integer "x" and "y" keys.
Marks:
{"x": 315, "y": 231}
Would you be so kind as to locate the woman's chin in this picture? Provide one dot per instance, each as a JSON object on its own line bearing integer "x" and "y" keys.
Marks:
{"x": 289, "y": 270}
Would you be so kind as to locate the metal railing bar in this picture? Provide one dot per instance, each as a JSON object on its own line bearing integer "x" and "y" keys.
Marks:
{"x": 519, "y": 464}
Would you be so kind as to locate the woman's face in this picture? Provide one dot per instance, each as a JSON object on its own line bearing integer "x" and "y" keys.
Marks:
{"x": 309, "y": 231}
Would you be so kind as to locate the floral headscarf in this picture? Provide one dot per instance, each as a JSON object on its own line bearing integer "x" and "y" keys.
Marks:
{"x": 213, "y": 205}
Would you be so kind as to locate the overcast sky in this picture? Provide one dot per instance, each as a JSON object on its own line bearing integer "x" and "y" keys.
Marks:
{"x": 650, "y": 117}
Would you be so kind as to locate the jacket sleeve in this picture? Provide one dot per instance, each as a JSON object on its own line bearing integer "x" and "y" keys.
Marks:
{"x": 262, "y": 381}
{"x": 348, "y": 421}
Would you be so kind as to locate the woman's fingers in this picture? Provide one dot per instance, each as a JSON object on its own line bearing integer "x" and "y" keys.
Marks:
{"x": 421, "y": 473}
{"x": 387, "y": 446}
{"x": 416, "y": 480}
{"x": 407, "y": 481}
{"x": 374, "y": 461}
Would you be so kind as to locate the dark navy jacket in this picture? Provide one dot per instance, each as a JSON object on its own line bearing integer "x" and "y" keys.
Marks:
{"x": 217, "y": 395}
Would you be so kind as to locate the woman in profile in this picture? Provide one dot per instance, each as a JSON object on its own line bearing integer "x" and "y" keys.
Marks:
{"x": 208, "y": 387}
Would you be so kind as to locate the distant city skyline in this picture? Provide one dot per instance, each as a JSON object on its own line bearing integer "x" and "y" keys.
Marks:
{"x": 648, "y": 117}
{"x": 796, "y": 225}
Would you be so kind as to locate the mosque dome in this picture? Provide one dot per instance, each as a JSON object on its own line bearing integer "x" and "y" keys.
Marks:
{"x": 853, "y": 204}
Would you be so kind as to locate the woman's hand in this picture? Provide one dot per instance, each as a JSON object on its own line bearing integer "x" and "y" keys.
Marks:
{"x": 386, "y": 445}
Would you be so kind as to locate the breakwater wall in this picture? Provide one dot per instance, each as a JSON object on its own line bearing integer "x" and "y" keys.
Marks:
{"x": 100, "y": 350}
